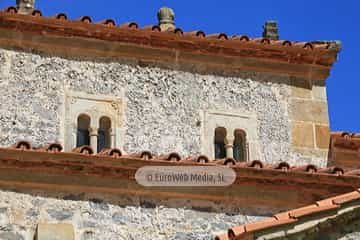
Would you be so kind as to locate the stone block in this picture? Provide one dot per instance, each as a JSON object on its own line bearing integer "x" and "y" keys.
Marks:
{"x": 319, "y": 92}
{"x": 11, "y": 236}
{"x": 322, "y": 133}
{"x": 313, "y": 153}
{"x": 309, "y": 111}
{"x": 302, "y": 134}
{"x": 300, "y": 88}
{"x": 59, "y": 231}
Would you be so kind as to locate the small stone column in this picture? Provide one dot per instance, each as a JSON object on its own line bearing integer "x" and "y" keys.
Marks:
{"x": 112, "y": 137}
{"x": 93, "y": 138}
{"x": 229, "y": 147}
{"x": 74, "y": 137}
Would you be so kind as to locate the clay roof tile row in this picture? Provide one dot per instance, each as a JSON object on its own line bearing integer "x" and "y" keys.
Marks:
{"x": 180, "y": 32}
{"x": 346, "y": 140}
{"x": 289, "y": 217}
{"x": 195, "y": 159}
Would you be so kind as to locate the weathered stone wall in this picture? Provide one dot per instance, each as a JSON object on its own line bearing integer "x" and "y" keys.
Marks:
{"x": 97, "y": 220}
{"x": 163, "y": 107}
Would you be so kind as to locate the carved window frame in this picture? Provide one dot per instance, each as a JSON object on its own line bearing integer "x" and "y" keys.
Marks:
{"x": 96, "y": 106}
{"x": 230, "y": 120}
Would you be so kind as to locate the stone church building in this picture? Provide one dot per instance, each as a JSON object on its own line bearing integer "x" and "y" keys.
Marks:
{"x": 86, "y": 104}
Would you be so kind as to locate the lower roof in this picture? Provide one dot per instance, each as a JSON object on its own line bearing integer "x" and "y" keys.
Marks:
{"x": 112, "y": 171}
{"x": 301, "y": 223}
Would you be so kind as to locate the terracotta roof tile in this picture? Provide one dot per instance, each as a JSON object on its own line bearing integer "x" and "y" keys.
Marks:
{"x": 177, "y": 31}
{"x": 222, "y": 237}
{"x": 271, "y": 222}
{"x": 303, "y": 45}
{"x": 332, "y": 170}
{"x": 22, "y": 145}
{"x": 242, "y": 38}
{"x": 11, "y": 9}
{"x": 107, "y": 22}
{"x": 282, "y": 43}
{"x": 84, "y": 19}
{"x": 226, "y": 162}
{"x": 236, "y": 230}
{"x": 345, "y": 198}
{"x": 312, "y": 209}
{"x": 87, "y": 150}
{"x": 310, "y": 168}
{"x": 260, "y": 40}
{"x": 174, "y": 156}
{"x": 60, "y": 16}
{"x": 283, "y": 166}
{"x": 52, "y": 147}
{"x": 113, "y": 152}
{"x": 154, "y": 28}
{"x": 253, "y": 164}
{"x": 197, "y": 159}
{"x": 145, "y": 155}
{"x": 220, "y": 36}
{"x": 129, "y": 25}
{"x": 282, "y": 216}
{"x": 292, "y": 216}
{"x": 199, "y": 34}
{"x": 36, "y": 13}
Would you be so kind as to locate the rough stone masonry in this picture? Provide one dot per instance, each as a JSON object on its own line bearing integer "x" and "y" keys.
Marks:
{"x": 163, "y": 107}
{"x": 98, "y": 220}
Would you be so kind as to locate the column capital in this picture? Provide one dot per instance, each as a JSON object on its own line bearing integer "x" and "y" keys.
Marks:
{"x": 93, "y": 131}
{"x": 229, "y": 140}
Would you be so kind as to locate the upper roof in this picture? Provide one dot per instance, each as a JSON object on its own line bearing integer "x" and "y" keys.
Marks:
{"x": 195, "y": 50}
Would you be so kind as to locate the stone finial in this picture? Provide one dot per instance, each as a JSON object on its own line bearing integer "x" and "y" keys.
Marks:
{"x": 271, "y": 30}
{"x": 166, "y": 18}
{"x": 25, "y": 6}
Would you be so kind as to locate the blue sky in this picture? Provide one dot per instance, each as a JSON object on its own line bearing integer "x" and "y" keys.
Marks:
{"x": 298, "y": 20}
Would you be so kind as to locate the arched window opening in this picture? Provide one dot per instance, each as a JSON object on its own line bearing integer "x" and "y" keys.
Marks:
{"x": 104, "y": 138}
{"x": 83, "y": 135}
{"x": 219, "y": 142}
{"x": 239, "y": 149}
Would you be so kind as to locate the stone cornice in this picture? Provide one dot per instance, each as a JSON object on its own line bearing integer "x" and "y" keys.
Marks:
{"x": 175, "y": 49}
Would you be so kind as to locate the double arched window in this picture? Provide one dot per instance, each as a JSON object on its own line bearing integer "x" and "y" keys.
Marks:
{"x": 99, "y": 138}
{"x": 233, "y": 146}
